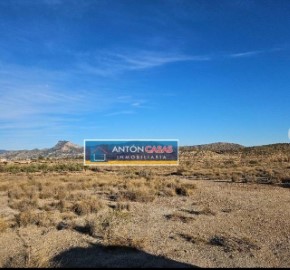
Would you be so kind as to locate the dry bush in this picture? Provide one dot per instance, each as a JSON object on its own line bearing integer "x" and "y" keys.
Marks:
{"x": 46, "y": 193}
{"x": 62, "y": 206}
{"x": 16, "y": 192}
{"x": 235, "y": 178}
{"x": 24, "y": 204}
{"x": 18, "y": 261}
{"x": 285, "y": 179}
{"x": 250, "y": 178}
{"x": 185, "y": 189}
{"x": 181, "y": 191}
{"x": 3, "y": 225}
{"x": 181, "y": 170}
{"x": 192, "y": 239}
{"x": 205, "y": 211}
{"x": 61, "y": 194}
{"x": 104, "y": 224}
{"x": 229, "y": 244}
{"x": 24, "y": 260}
{"x": 171, "y": 188}
{"x": 90, "y": 227}
{"x": 76, "y": 196}
{"x": 136, "y": 194}
{"x": 88, "y": 206}
{"x": 163, "y": 187}
{"x": 4, "y": 187}
{"x": 43, "y": 260}
{"x": 122, "y": 206}
{"x": 129, "y": 174}
{"x": 179, "y": 217}
{"x": 126, "y": 241}
{"x": 33, "y": 218}
{"x": 74, "y": 186}
{"x": 68, "y": 216}
{"x": 147, "y": 174}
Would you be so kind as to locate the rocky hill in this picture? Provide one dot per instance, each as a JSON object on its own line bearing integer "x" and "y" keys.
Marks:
{"x": 63, "y": 149}
{"x": 215, "y": 147}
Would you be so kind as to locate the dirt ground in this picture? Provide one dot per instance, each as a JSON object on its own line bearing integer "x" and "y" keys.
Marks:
{"x": 216, "y": 224}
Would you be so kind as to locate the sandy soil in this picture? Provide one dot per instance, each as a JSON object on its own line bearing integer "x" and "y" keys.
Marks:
{"x": 221, "y": 224}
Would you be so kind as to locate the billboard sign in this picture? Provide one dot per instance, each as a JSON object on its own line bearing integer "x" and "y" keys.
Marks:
{"x": 133, "y": 152}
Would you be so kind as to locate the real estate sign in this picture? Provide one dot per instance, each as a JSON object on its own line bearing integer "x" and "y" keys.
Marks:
{"x": 130, "y": 152}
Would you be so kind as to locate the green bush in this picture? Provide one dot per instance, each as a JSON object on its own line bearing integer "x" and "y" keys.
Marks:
{"x": 41, "y": 167}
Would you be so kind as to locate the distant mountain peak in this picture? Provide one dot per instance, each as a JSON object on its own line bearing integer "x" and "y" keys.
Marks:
{"x": 63, "y": 149}
{"x": 65, "y": 146}
{"x": 60, "y": 143}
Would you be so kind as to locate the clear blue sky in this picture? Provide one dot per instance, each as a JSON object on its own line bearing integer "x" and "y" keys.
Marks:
{"x": 199, "y": 71}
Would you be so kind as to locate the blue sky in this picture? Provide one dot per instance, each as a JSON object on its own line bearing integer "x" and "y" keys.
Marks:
{"x": 198, "y": 71}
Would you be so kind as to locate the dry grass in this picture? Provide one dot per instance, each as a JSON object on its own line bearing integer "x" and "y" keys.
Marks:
{"x": 101, "y": 203}
{"x": 230, "y": 244}
{"x": 86, "y": 207}
{"x": 205, "y": 211}
{"x": 41, "y": 219}
{"x": 4, "y": 225}
{"x": 138, "y": 194}
{"x": 24, "y": 204}
{"x": 179, "y": 217}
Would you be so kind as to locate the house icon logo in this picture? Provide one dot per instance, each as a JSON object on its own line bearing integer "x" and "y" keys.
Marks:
{"x": 99, "y": 154}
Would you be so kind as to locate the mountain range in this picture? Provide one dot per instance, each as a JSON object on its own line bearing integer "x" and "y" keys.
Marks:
{"x": 63, "y": 149}
{"x": 67, "y": 149}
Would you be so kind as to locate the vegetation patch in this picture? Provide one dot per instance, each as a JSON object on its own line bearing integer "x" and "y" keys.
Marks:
{"x": 230, "y": 244}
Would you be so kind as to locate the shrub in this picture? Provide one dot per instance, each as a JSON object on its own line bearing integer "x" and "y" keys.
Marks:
{"x": 24, "y": 205}
{"x": 136, "y": 194}
{"x": 104, "y": 224}
{"x": 181, "y": 191}
{"x": 33, "y": 218}
{"x": 3, "y": 225}
{"x": 3, "y": 187}
{"x": 249, "y": 178}
{"x": 15, "y": 193}
{"x": 235, "y": 178}
{"x": 184, "y": 189}
{"x": 285, "y": 180}
{"x": 87, "y": 206}
{"x": 122, "y": 206}
{"x": 147, "y": 174}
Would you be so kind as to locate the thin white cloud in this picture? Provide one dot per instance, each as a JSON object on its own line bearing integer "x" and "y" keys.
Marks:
{"x": 245, "y": 54}
{"x": 149, "y": 60}
{"x": 136, "y": 104}
{"x": 111, "y": 63}
{"x": 108, "y": 64}
{"x": 253, "y": 53}
{"x": 27, "y": 93}
{"x": 38, "y": 102}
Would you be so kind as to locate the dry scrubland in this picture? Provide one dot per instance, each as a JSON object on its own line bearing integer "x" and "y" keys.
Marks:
{"x": 226, "y": 209}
